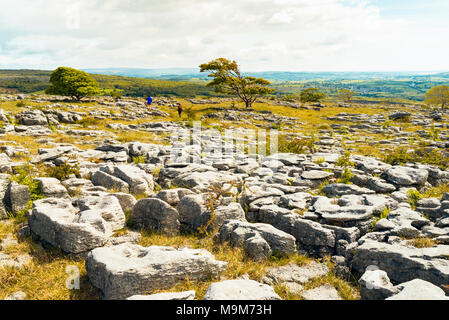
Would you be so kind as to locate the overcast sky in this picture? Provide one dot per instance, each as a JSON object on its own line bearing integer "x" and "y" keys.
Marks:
{"x": 290, "y": 35}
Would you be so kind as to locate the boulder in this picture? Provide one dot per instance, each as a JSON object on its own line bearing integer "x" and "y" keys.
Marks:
{"x": 311, "y": 236}
{"x": 32, "y": 118}
{"x": 155, "y": 214}
{"x": 17, "y": 197}
{"x": 126, "y": 200}
{"x": 324, "y": 292}
{"x": 195, "y": 212}
{"x": 108, "y": 207}
{"x": 4, "y": 187}
{"x": 418, "y": 289}
{"x": 127, "y": 270}
{"x": 341, "y": 189}
{"x": 250, "y": 235}
{"x": 399, "y": 115}
{"x": 375, "y": 285}
{"x": 177, "y": 296}
{"x": 138, "y": 180}
{"x": 316, "y": 175}
{"x": 292, "y": 273}
{"x": 52, "y": 188}
{"x": 55, "y": 221}
{"x": 173, "y": 196}
{"x": 405, "y": 176}
{"x": 240, "y": 290}
{"x": 103, "y": 179}
{"x": 403, "y": 263}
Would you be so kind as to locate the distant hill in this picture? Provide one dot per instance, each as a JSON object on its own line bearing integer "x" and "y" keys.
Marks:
{"x": 145, "y": 73}
{"x": 185, "y": 82}
{"x": 31, "y": 81}
{"x": 183, "y": 74}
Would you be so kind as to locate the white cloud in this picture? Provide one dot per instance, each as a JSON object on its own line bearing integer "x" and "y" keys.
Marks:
{"x": 260, "y": 34}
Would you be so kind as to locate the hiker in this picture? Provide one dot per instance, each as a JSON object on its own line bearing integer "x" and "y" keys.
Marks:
{"x": 149, "y": 101}
{"x": 180, "y": 109}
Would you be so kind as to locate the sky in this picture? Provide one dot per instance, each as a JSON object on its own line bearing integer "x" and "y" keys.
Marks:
{"x": 261, "y": 35}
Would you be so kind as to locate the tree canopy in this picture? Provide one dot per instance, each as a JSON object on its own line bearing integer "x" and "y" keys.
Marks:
{"x": 311, "y": 95}
{"x": 438, "y": 96}
{"x": 71, "y": 82}
{"x": 228, "y": 79}
{"x": 346, "y": 95}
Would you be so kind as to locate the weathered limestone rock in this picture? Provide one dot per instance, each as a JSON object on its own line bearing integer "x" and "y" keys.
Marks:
{"x": 32, "y": 118}
{"x": 187, "y": 295}
{"x": 100, "y": 178}
{"x": 18, "y": 197}
{"x": 173, "y": 196}
{"x": 293, "y": 273}
{"x": 375, "y": 285}
{"x": 249, "y": 234}
{"x": 126, "y": 200}
{"x": 404, "y": 263}
{"x": 240, "y": 290}
{"x": 126, "y": 270}
{"x": 311, "y": 236}
{"x": 57, "y": 222}
{"x": 341, "y": 189}
{"x": 155, "y": 214}
{"x": 138, "y": 180}
{"x": 19, "y": 295}
{"x": 324, "y": 292}
{"x": 108, "y": 207}
{"x": 418, "y": 289}
{"x": 405, "y": 176}
{"x": 4, "y": 186}
{"x": 194, "y": 212}
{"x": 52, "y": 188}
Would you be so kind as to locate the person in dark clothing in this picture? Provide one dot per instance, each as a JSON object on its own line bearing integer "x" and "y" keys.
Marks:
{"x": 149, "y": 101}
{"x": 180, "y": 110}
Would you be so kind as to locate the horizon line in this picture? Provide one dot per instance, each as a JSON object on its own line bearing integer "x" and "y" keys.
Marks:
{"x": 250, "y": 71}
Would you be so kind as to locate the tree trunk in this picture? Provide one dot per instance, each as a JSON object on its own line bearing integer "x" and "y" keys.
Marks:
{"x": 248, "y": 104}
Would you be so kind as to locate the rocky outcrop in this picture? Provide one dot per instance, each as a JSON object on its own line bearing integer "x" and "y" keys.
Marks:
{"x": 126, "y": 270}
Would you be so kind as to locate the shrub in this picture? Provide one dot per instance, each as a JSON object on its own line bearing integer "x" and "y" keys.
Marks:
{"x": 311, "y": 95}
{"x": 345, "y": 161}
{"x": 88, "y": 122}
{"x": 63, "y": 171}
{"x": 319, "y": 160}
{"x": 436, "y": 192}
{"x": 422, "y": 242}
{"x": 346, "y": 176}
{"x": 413, "y": 197}
{"x": 383, "y": 215}
{"x": 398, "y": 156}
{"x": 25, "y": 176}
{"x": 298, "y": 146}
{"x": 191, "y": 113}
{"x": 20, "y": 104}
{"x": 139, "y": 159}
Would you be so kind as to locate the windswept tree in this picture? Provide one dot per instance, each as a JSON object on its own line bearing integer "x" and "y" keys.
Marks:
{"x": 73, "y": 83}
{"x": 438, "y": 96}
{"x": 346, "y": 95}
{"x": 311, "y": 95}
{"x": 228, "y": 79}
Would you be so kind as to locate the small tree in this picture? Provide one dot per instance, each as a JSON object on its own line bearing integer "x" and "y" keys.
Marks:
{"x": 311, "y": 95}
{"x": 73, "y": 83}
{"x": 228, "y": 79}
{"x": 346, "y": 95}
{"x": 438, "y": 96}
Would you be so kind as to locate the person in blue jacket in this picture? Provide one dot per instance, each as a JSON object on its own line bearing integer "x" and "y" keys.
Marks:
{"x": 149, "y": 101}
